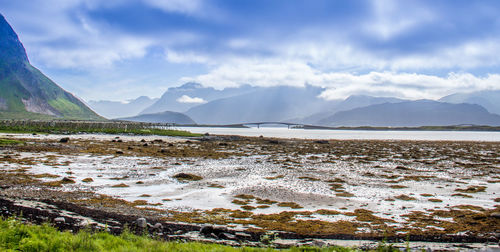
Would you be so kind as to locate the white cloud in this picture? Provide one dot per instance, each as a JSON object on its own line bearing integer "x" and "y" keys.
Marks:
{"x": 183, "y": 6}
{"x": 95, "y": 53}
{"x": 187, "y": 99}
{"x": 340, "y": 85}
{"x": 392, "y": 18}
{"x": 185, "y": 57}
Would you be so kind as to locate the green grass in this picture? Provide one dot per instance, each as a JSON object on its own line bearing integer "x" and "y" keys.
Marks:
{"x": 9, "y": 142}
{"x": 16, "y": 236}
{"x": 77, "y": 127}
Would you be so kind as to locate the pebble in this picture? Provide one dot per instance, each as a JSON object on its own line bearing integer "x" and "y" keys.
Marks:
{"x": 59, "y": 220}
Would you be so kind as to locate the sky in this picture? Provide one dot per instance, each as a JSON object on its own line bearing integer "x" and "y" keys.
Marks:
{"x": 122, "y": 49}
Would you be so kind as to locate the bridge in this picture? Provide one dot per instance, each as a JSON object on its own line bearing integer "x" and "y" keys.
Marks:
{"x": 268, "y": 123}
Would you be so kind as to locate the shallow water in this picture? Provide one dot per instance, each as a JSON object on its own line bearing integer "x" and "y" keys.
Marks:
{"x": 282, "y": 132}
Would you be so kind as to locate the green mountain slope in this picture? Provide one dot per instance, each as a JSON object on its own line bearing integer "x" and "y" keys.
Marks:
{"x": 25, "y": 92}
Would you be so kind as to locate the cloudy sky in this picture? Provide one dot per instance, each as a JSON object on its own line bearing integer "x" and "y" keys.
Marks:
{"x": 121, "y": 49}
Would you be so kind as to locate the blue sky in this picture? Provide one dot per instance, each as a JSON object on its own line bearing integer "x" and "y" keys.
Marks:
{"x": 119, "y": 49}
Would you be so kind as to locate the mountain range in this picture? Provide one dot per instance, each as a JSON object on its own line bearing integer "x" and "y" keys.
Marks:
{"x": 180, "y": 99}
{"x": 413, "y": 114}
{"x": 303, "y": 105}
{"x": 489, "y": 99}
{"x": 116, "y": 109}
{"x": 27, "y": 92}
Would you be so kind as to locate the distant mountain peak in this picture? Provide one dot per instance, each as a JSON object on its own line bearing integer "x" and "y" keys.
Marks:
{"x": 191, "y": 85}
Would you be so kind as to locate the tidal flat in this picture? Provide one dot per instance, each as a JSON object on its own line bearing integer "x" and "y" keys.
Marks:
{"x": 435, "y": 191}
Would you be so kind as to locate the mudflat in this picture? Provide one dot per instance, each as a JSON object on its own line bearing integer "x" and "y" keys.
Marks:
{"x": 435, "y": 191}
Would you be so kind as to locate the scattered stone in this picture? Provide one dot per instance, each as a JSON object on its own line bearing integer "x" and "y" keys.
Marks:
{"x": 64, "y": 140}
{"x": 495, "y": 215}
{"x": 87, "y": 180}
{"x": 60, "y": 220}
{"x": 119, "y": 152}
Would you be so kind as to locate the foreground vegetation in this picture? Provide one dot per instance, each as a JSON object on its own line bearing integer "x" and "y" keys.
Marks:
{"x": 75, "y": 127}
{"x": 16, "y": 236}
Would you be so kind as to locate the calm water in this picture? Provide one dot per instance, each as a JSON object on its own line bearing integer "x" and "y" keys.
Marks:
{"x": 350, "y": 134}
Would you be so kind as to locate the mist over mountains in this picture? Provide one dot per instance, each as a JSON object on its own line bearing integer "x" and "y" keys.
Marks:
{"x": 116, "y": 109}
{"x": 205, "y": 105}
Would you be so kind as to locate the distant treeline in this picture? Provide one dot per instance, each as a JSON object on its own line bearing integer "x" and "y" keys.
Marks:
{"x": 75, "y": 127}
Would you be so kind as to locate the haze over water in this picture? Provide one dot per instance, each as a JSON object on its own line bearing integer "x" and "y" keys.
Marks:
{"x": 282, "y": 132}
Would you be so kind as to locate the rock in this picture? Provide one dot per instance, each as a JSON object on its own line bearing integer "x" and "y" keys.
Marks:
{"x": 316, "y": 243}
{"x": 130, "y": 148}
{"x": 145, "y": 145}
{"x": 141, "y": 222}
{"x": 321, "y": 141}
{"x": 243, "y": 235}
{"x": 60, "y": 220}
{"x": 158, "y": 226}
{"x": 143, "y": 141}
{"x": 119, "y": 152}
{"x": 206, "y": 230}
{"x": 187, "y": 177}
{"x": 227, "y": 236}
{"x": 206, "y": 134}
{"x": 211, "y": 232}
{"x": 64, "y": 140}
{"x": 67, "y": 180}
{"x": 495, "y": 215}
{"x": 274, "y": 142}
